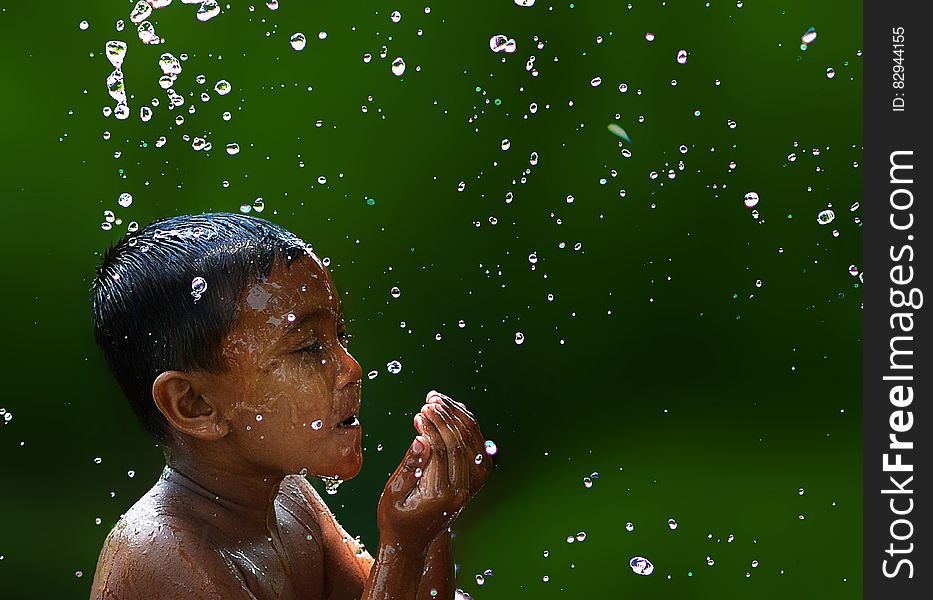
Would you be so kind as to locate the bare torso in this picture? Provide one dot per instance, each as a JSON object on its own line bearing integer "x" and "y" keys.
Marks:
{"x": 180, "y": 542}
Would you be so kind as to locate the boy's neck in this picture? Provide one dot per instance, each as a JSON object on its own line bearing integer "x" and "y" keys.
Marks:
{"x": 249, "y": 496}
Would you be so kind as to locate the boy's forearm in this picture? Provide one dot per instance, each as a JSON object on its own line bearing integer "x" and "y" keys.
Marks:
{"x": 395, "y": 573}
{"x": 438, "y": 571}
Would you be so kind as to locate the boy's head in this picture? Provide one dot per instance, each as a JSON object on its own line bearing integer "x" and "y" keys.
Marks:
{"x": 226, "y": 332}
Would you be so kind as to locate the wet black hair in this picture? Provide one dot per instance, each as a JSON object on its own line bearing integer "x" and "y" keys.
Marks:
{"x": 149, "y": 316}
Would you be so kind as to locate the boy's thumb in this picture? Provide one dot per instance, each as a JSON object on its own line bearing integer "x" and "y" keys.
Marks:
{"x": 409, "y": 471}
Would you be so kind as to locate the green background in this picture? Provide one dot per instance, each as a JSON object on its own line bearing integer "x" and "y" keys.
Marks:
{"x": 659, "y": 364}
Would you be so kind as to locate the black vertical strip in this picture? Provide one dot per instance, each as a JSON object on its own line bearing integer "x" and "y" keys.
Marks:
{"x": 897, "y": 264}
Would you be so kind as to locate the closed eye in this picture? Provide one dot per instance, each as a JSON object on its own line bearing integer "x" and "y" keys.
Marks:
{"x": 316, "y": 347}
{"x": 313, "y": 348}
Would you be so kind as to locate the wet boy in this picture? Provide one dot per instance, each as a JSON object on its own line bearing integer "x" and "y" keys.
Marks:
{"x": 227, "y": 335}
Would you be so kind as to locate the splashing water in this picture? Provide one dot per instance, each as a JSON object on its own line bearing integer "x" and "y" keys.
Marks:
{"x": 331, "y": 484}
{"x": 398, "y": 67}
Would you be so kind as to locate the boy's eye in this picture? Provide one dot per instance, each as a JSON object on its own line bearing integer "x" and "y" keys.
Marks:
{"x": 313, "y": 348}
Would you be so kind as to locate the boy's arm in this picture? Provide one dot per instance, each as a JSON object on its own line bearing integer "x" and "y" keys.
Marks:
{"x": 349, "y": 566}
{"x": 438, "y": 572}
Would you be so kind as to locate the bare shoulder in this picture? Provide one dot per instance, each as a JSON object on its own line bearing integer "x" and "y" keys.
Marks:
{"x": 151, "y": 555}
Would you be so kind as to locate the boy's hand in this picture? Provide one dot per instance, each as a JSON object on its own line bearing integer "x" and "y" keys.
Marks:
{"x": 437, "y": 477}
{"x": 462, "y": 436}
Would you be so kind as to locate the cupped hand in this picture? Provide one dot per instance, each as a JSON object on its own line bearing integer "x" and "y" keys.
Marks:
{"x": 444, "y": 467}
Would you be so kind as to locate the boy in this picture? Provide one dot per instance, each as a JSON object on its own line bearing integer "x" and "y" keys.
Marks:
{"x": 226, "y": 333}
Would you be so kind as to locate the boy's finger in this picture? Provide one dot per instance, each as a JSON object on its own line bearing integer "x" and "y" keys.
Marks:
{"x": 459, "y": 405}
{"x": 478, "y": 464}
{"x": 457, "y": 452}
{"x": 459, "y": 409}
{"x": 403, "y": 480}
{"x": 439, "y": 483}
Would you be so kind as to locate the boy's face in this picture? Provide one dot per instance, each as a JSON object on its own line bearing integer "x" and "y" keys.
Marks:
{"x": 293, "y": 389}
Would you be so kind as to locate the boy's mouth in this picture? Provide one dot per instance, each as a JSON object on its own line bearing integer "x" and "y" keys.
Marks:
{"x": 350, "y": 421}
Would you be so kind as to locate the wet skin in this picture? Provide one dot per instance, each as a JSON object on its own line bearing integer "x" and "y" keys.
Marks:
{"x": 231, "y": 516}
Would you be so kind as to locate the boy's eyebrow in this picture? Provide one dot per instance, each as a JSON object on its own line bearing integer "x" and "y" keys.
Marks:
{"x": 304, "y": 318}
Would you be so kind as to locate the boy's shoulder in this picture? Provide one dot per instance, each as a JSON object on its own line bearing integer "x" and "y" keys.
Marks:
{"x": 155, "y": 551}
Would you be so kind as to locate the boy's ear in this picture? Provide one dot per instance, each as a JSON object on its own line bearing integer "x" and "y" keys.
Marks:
{"x": 177, "y": 395}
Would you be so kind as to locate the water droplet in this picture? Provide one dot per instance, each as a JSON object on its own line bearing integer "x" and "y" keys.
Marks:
{"x": 396, "y": 16}
{"x": 115, "y": 86}
{"x": 641, "y": 565}
{"x": 140, "y": 12}
{"x": 730, "y": 538}
{"x": 233, "y": 149}
{"x": 751, "y": 199}
{"x": 754, "y": 564}
{"x": 525, "y": 2}
{"x": 394, "y": 367}
{"x": 616, "y": 130}
{"x": 272, "y": 4}
{"x": 480, "y": 580}
{"x": 147, "y": 33}
{"x": 649, "y": 36}
{"x": 418, "y": 473}
{"x": 545, "y": 579}
{"x": 395, "y": 292}
{"x": 461, "y": 324}
{"x": 830, "y": 72}
{"x": 672, "y": 524}
{"x": 502, "y": 43}
{"x": 490, "y": 447}
{"x": 208, "y": 10}
{"x": 198, "y": 287}
{"x": 125, "y": 200}
{"x": 587, "y": 482}
{"x": 398, "y": 67}
{"x": 596, "y": 81}
{"x": 223, "y": 88}
{"x": 298, "y": 41}
{"x": 710, "y": 561}
{"x": 169, "y": 64}
{"x": 373, "y": 374}
{"x": 505, "y": 144}
{"x": 809, "y": 36}
{"x": 116, "y": 51}
{"x": 315, "y": 425}
{"x": 131, "y": 474}
{"x": 581, "y": 536}
{"x": 825, "y": 217}
{"x": 478, "y": 459}
{"x": 519, "y": 338}
{"x": 682, "y": 57}
{"x": 630, "y": 526}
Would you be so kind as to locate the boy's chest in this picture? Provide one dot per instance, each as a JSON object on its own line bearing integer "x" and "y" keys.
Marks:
{"x": 290, "y": 565}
